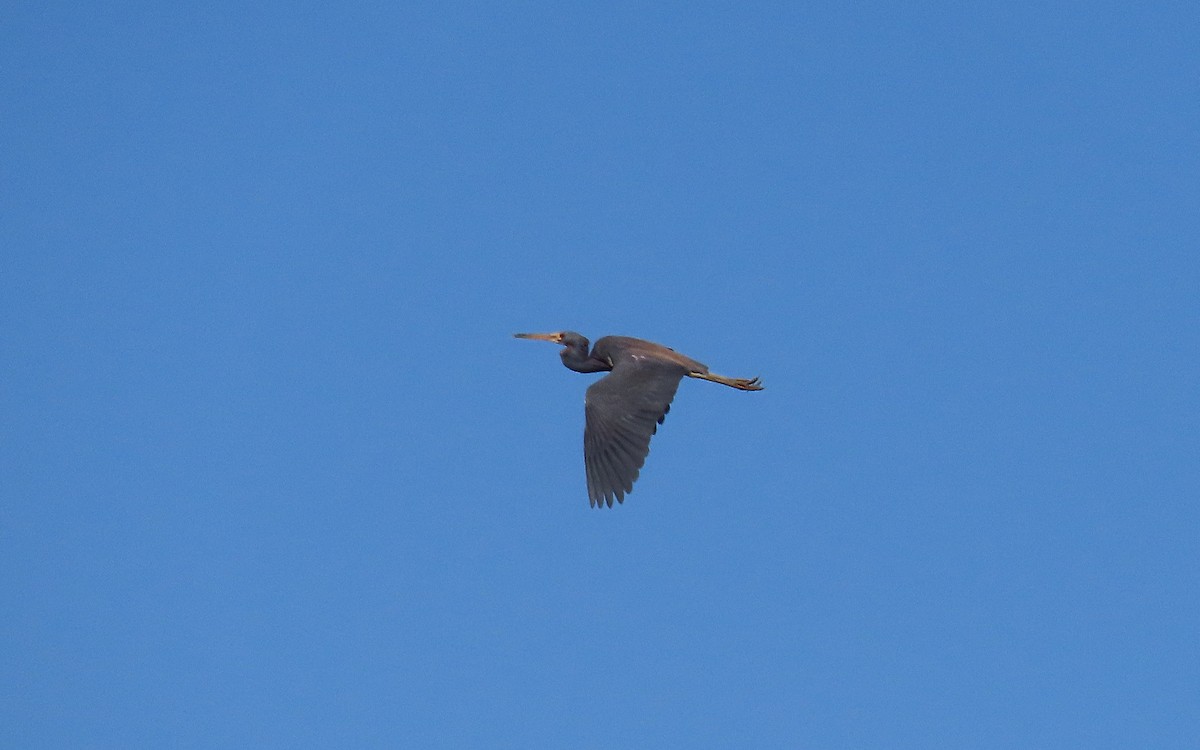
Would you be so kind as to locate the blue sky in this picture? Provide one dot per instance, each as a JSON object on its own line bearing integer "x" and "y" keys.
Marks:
{"x": 274, "y": 474}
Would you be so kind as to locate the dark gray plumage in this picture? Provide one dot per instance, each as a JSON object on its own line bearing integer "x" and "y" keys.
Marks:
{"x": 624, "y": 408}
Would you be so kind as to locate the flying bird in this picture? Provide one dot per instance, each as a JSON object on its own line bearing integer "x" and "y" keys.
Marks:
{"x": 624, "y": 408}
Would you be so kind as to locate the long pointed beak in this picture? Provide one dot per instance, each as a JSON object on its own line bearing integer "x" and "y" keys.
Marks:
{"x": 552, "y": 337}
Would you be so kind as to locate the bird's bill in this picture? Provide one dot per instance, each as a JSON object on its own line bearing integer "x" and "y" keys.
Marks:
{"x": 552, "y": 337}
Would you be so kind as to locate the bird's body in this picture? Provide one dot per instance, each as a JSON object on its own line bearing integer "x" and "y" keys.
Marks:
{"x": 624, "y": 408}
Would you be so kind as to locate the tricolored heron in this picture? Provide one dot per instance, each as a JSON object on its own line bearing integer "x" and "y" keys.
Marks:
{"x": 624, "y": 408}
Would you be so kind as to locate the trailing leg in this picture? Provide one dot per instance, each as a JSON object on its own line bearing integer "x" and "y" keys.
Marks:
{"x": 742, "y": 384}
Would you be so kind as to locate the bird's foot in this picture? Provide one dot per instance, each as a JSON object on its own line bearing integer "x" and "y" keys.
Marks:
{"x": 746, "y": 384}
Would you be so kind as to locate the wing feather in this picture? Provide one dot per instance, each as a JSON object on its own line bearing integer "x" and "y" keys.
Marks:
{"x": 623, "y": 410}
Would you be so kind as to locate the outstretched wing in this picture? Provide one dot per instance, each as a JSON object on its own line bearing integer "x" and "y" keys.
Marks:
{"x": 623, "y": 409}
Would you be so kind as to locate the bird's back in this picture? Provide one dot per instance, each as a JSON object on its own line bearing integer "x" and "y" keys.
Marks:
{"x": 617, "y": 349}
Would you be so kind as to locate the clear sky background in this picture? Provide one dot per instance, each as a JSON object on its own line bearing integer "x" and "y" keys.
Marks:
{"x": 274, "y": 474}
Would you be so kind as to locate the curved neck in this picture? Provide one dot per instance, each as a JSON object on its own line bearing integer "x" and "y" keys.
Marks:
{"x": 576, "y": 357}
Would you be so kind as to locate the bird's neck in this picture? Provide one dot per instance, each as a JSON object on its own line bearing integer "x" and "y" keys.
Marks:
{"x": 579, "y": 360}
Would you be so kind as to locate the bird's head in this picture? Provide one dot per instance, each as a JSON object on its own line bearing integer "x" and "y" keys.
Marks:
{"x": 574, "y": 353}
{"x": 569, "y": 339}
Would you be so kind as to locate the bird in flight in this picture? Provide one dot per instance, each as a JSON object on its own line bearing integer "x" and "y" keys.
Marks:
{"x": 624, "y": 408}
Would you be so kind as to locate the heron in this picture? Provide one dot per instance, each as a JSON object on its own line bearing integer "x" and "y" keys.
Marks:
{"x": 624, "y": 408}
